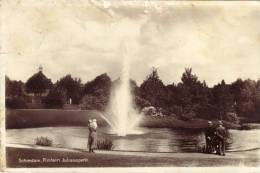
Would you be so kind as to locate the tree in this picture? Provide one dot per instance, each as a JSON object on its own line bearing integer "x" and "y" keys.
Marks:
{"x": 140, "y": 103}
{"x": 222, "y": 99}
{"x": 13, "y": 88}
{"x": 71, "y": 87}
{"x": 257, "y": 99}
{"x": 54, "y": 99}
{"x": 189, "y": 79}
{"x": 101, "y": 85}
{"x": 153, "y": 89}
{"x": 192, "y": 95}
{"x": 247, "y": 107}
{"x": 38, "y": 84}
{"x": 92, "y": 102}
{"x": 189, "y": 88}
{"x": 14, "y": 94}
{"x": 96, "y": 93}
{"x": 244, "y": 96}
{"x": 170, "y": 100}
{"x": 236, "y": 89}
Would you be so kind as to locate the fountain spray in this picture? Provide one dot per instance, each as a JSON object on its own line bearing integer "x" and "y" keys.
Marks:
{"x": 123, "y": 118}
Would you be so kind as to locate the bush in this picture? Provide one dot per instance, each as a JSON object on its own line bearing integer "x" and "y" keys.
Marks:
{"x": 43, "y": 141}
{"x": 201, "y": 148}
{"x": 188, "y": 116}
{"x": 91, "y": 102}
{"x": 173, "y": 110}
{"x": 231, "y": 117}
{"x": 15, "y": 103}
{"x": 150, "y": 110}
{"x": 105, "y": 144}
{"x": 141, "y": 102}
{"x": 55, "y": 99}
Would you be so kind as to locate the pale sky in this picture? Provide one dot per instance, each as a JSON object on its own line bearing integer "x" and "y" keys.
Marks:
{"x": 218, "y": 40}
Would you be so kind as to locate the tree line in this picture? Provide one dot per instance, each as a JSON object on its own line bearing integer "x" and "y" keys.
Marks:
{"x": 187, "y": 99}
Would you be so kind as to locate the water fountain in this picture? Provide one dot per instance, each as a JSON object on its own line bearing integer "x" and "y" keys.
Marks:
{"x": 121, "y": 115}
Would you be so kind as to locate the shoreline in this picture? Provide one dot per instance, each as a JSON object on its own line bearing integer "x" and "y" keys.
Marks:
{"x": 54, "y": 157}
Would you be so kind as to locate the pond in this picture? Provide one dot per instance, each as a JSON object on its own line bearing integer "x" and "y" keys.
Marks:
{"x": 151, "y": 139}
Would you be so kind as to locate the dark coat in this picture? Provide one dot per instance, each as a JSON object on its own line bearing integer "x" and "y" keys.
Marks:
{"x": 209, "y": 132}
{"x": 221, "y": 132}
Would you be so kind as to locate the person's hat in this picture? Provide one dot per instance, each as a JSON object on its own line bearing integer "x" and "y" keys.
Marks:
{"x": 94, "y": 120}
{"x": 220, "y": 123}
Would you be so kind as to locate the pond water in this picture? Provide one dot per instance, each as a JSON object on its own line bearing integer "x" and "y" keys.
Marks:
{"x": 151, "y": 139}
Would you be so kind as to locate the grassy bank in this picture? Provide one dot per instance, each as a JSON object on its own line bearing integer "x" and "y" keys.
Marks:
{"x": 25, "y": 118}
{"x": 124, "y": 159}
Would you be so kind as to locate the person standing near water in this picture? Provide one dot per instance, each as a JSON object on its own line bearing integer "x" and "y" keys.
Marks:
{"x": 89, "y": 134}
{"x": 221, "y": 135}
{"x": 209, "y": 135}
{"x": 92, "y": 137}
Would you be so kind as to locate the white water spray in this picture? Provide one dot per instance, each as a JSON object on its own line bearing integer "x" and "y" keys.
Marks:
{"x": 122, "y": 117}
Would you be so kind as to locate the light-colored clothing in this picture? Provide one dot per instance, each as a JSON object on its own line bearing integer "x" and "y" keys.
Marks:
{"x": 93, "y": 125}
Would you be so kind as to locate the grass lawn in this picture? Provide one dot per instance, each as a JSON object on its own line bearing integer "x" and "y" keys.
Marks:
{"x": 124, "y": 159}
{"x": 25, "y": 118}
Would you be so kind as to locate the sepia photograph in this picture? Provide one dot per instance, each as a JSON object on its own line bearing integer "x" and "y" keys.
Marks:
{"x": 130, "y": 84}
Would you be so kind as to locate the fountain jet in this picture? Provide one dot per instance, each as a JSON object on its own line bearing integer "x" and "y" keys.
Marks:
{"x": 122, "y": 116}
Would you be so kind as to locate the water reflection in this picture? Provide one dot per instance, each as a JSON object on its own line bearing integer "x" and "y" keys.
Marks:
{"x": 188, "y": 140}
{"x": 243, "y": 140}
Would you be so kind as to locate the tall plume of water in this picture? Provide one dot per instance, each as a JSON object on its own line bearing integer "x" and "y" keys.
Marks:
{"x": 121, "y": 115}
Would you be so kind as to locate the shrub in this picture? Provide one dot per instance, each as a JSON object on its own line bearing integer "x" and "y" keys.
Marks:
{"x": 90, "y": 102}
{"x": 188, "y": 116}
{"x": 105, "y": 144}
{"x": 15, "y": 103}
{"x": 43, "y": 141}
{"x": 55, "y": 99}
{"x": 141, "y": 102}
{"x": 151, "y": 111}
{"x": 231, "y": 117}
{"x": 201, "y": 148}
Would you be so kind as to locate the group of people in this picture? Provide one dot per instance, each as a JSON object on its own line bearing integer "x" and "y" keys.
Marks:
{"x": 92, "y": 136}
{"x": 215, "y": 138}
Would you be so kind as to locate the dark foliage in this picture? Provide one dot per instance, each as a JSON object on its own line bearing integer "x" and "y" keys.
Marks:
{"x": 96, "y": 93}
{"x": 246, "y": 97}
{"x": 140, "y": 102}
{"x": 99, "y": 86}
{"x": 13, "y": 88}
{"x": 191, "y": 98}
{"x": 15, "y": 103}
{"x": 54, "y": 99}
{"x": 71, "y": 87}
{"x": 38, "y": 84}
{"x": 105, "y": 144}
{"x": 153, "y": 89}
{"x": 187, "y": 99}
{"x": 43, "y": 141}
{"x": 92, "y": 102}
{"x": 222, "y": 99}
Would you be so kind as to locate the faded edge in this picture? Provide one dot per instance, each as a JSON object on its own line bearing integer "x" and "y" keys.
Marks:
{"x": 2, "y": 92}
